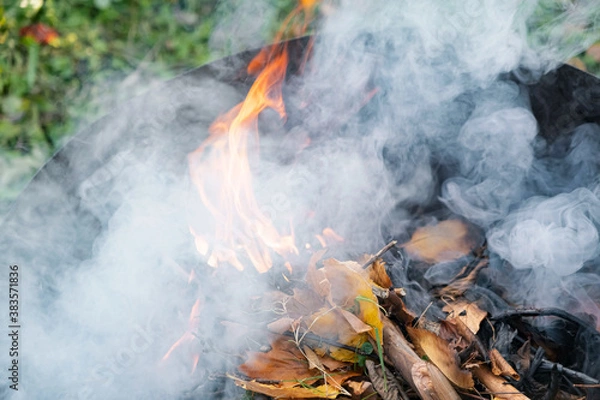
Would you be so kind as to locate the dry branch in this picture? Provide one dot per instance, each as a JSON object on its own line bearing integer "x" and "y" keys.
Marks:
{"x": 424, "y": 377}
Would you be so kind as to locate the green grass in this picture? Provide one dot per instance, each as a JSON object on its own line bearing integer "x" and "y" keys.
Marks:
{"x": 106, "y": 52}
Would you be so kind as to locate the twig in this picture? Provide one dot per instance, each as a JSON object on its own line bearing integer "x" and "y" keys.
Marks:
{"x": 388, "y": 389}
{"x": 422, "y": 376}
{"x": 381, "y": 252}
{"x": 546, "y": 312}
{"x": 580, "y": 376}
{"x": 555, "y": 377}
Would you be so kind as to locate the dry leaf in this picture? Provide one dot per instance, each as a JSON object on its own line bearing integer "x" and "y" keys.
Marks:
{"x": 312, "y": 358}
{"x": 329, "y": 323}
{"x": 398, "y": 309}
{"x": 501, "y": 367}
{"x": 284, "y": 362}
{"x": 281, "y": 325}
{"x": 350, "y": 288}
{"x": 358, "y": 388}
{"x": 445, "y": 241}
{"x": 290, "y": 375}
{"x": 316, "y": 278}
{"x": 287, "y": 367}
{"x": 355, "y": 323}
{"x": 289, "y": 391}
{"x": 459, "y": 286}
{"x": 378, "y": 274}
{"x": 497, "y": 385}
{"x": 469, "y": 313}
{"x": 440, "y": 353}
{"x": 461, "y": 334}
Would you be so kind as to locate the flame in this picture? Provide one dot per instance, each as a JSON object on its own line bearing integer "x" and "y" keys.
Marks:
{"x": 221, "y": 170}
{"x": 188, "y": 336}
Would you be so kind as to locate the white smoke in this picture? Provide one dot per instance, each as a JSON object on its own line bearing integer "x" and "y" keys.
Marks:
{"x": 100, "y": 312}
{"x": 558, "y": 233}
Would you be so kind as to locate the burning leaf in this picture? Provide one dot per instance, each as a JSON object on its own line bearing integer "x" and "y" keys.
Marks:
{"x": 445, "y": 241}
{"x": 469, "y": 313}
{"x": 440, "y": 353}
{"x": 501, "y": 367}
{"x": 287, "y": 367}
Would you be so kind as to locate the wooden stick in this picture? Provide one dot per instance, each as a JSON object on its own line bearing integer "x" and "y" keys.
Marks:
{"x": 424, "y": 377}
{"x": 381, "y": 252}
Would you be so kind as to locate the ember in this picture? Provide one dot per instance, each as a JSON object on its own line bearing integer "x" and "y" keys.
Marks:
{"x": 390, "y": 209}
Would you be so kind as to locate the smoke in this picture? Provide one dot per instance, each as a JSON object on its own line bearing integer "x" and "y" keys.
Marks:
{"x": 407, "y": 105}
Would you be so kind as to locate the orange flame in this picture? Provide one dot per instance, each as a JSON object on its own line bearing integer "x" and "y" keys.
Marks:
{"x": 220, "y": 167}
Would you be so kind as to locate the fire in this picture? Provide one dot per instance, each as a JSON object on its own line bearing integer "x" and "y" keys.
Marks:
{"x": 221, "y": 170}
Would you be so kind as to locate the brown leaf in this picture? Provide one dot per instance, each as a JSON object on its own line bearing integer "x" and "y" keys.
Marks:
{"x": 304, "y": 302}
{"x": 378, "y": 274}
{"x": 355, "y": 323}
{"x": 290, "y": 375}
{"x": 455, "y": 329}
{"x": 285, "y": 363}
{"x": 281, "y": 325}
{"x": 440, "y": 353}
{"x": 330, "y": 324}
{"x": 448, "y": 240}
{"x": 469, "y": 313}
{"x": 501, "y": 367}
{"x": 398, "y": 308}
{"x": 317, "y": 278}
{"x": 458, "y": 287}
{"x": 288, "y": 390}
{"x": 350, "y": 287}
{"x": 497, "y": 385}
{"x": 358, "y": 388}
{"x": 313, "y": 359}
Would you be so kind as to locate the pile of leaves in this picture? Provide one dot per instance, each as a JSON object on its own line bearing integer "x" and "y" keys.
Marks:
{"x": 344, "y": 331}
